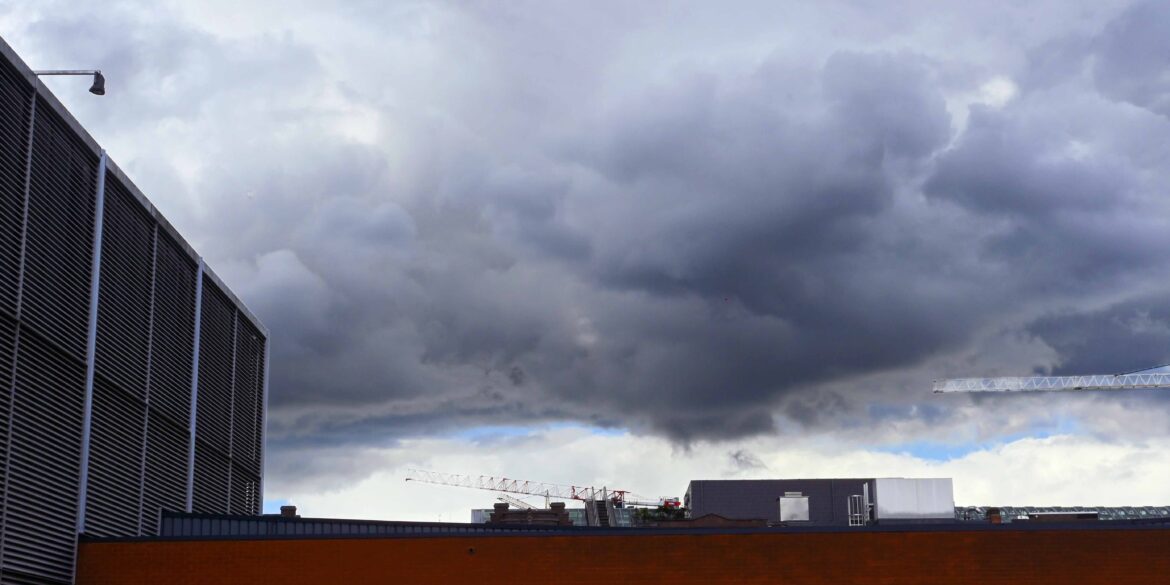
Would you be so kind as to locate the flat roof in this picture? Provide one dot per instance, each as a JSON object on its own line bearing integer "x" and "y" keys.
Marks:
{"x": 185, "y": 526}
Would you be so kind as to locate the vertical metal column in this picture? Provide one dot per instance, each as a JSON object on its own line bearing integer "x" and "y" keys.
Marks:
{"x": 232, "y": 411}
{"x": 28, "y": 160}
{"x": 264, "y": 423}
{"x": 91, "y": 343}
{"x": 149, "y": 367}
{"x": 194, "y": 385}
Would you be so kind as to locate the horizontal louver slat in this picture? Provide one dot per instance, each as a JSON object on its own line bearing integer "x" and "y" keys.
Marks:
{"x": 166, "y": 468}
{"x": 211, "y": 479}
{"x": 248, "y": 397}
{"x": 7, "y": 355}
{"x": 44, "y": 458}
{"x": 8, "y": 577}
{"x": 123, "y": 326}
{"x": 59, "y": 240}
{"x": 217, "y": 325}
{"x": 16, "y": 102}
{"x": 245, "y": 486}
{"x": 173, "y": 333}
{"x": 115, "y": 461}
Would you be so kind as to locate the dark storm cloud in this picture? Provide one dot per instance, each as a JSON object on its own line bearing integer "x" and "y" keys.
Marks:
{"x": 1128, "y": 336}
{"x": 775, "y": 230}
{"x": 1124, "y": 337}
{"x": 1134, "y": 55}
{"x": 696, "y": 222}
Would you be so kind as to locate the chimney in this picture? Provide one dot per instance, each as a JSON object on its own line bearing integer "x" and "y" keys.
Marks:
{"x": 501, "y": 507}
{"x": 557, "y": 506}
{"x": 289, "y": 511}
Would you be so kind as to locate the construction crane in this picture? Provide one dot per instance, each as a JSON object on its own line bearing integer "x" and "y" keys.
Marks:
{"x": 531, "y": 488}
{"x": 1055, "y": 383}
{"x": 517, "y": 502}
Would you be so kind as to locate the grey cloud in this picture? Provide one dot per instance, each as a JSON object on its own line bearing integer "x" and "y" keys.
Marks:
{"x": 743, "y": 460}
{"x": 771, "y": 227}
{"x": 706, "y": 228}
{"x": 890, "y": 99}
{"x": 161, "y": 68}
{"x": 1065, "y": 190}
{"x": 1026, "y": 170}
{"x": 1134, "y": 55}
{"x": 1127, "y": 336}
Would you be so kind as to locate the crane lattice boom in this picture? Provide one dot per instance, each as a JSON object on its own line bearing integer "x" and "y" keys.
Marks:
{"x": 519, "y": 486}
{"x": 1053, "y": 383}
{"x": 517, "y": 502}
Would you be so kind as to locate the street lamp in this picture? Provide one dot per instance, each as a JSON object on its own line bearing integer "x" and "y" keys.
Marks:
{"x": 99, "y": 80}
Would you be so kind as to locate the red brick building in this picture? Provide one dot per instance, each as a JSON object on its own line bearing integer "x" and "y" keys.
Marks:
{"x": 291, "y": 554}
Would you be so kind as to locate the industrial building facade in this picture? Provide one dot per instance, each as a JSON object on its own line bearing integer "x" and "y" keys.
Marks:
{"x": 131, "y": 380}
{"x": 824, "y": 502}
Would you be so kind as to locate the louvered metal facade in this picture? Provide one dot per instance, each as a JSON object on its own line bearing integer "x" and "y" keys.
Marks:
{"x": 132, "y": 381}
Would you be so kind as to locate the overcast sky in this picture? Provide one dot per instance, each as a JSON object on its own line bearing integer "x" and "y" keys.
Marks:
{"x": 635, "y": 243}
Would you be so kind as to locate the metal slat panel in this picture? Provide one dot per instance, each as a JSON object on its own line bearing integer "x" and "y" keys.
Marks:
{"x": 124, "y": 300}
{"x": 217, "y": 333}
{"x": 39, "y": 534}
{"x": 173, "y": 330}
{"x": 139, "y": 421}
{"x": 245, "y": 491}
{"x": 16, "y": 103}
{"x": 248, "y": 407}
{"x": 211, "y": 478}
{"x": 115, "y": 461}
{"x": 16, "y": 578}
{"x": 212, "y": 481}
{"x": 7, "y": 359}
{"x": 166, "y": 468}
{"x": 59, "y": 241}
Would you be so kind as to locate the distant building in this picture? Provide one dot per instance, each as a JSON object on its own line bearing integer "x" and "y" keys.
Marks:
{"x": 623, "y": 517}
{"x": 1008, "y": 514}
{"x": 705, "y": 521}
{"x": 824, "y": 502}
{"x": 554, "y": 515}
{"x": 131, "y": 380}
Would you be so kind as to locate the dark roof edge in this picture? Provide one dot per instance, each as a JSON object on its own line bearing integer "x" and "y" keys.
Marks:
{"x": 581, "y": 531}
{"x": 244, "y": 310}
{"x": 121, "y": 175}
{"x": 44, "y": 92}
{"x": 794, "y": 479}
{"x": 302, "y": 519}
{"x": 9, "y": 53}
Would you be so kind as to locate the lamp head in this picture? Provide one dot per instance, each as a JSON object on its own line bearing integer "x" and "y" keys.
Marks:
{"x": 99, "y": 84}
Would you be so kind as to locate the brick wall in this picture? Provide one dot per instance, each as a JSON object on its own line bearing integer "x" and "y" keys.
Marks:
{"x": 1066, "y": 556}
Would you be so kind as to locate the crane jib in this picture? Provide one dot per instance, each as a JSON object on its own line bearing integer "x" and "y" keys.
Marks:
{"x": 1053, "y": 383}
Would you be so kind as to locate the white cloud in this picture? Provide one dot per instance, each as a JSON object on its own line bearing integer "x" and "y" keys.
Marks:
{"x": 998, "y": 91}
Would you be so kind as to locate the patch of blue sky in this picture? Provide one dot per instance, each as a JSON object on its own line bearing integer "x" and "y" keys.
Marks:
{"x": 948, "y": 450}
{"x": 592, "y": 429}
{"x": 489, "y": 432}
{"x": 497, "y": 432}
{"x": 273, "y": 506}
